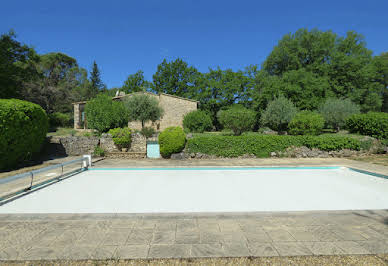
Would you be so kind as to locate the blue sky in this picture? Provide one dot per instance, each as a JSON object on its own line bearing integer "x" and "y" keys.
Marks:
{"x": 125, "y": 36}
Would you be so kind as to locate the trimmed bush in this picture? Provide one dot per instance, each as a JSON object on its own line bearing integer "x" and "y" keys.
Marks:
{"x": 102, "y": 113}
{"x": 197, "y": 121}
{"x": 121, "y": 137}
{"x": 278, "y": 114}
{"x": 23, "y": 129}
{"x": 171, "y": 140}
{"x": 336, "y": 111}
{"x": 238, "y": 119}
{"x": 306, "y": 123}
{"x": 262, "y": 145}
{"x": 372, "y": 124}
{"x": 58, "y": 119}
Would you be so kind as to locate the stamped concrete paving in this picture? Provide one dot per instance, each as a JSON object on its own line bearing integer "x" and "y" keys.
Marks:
{"x": 104, "y": 236}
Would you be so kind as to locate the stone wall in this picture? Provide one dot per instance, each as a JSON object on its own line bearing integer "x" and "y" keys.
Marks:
{"x": 78, "y": 145}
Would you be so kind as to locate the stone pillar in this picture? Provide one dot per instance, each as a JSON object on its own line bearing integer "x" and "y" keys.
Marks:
{"x": 77, "y": 117}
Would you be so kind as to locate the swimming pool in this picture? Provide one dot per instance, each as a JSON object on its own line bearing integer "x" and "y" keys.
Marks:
{"x": 188, "y": 190}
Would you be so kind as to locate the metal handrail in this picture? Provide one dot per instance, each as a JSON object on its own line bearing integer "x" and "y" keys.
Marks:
{"x": 32, "y": 173}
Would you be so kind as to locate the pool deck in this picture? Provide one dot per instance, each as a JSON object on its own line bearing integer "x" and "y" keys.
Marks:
{"x": 263, "y": 234}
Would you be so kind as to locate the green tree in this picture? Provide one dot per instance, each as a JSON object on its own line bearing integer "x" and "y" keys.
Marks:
{"x": 102, "y": 113}
{"x": 322, "y": 64}
{"x": 136, "y": 83}
{"x": 381, "y": 64}
{"x": 278, "y": 114}
{"x": 306, "y": 123}
{"x": 143, "y": 108}
{"x": 96, "y": 84}
{"x": 197, "y": 121}
{"x": 61, "y": 82}
{"x": 16, "y": 66}
{"x": 175, "y": 77}
{"x": 221, "y": 88}
{"x": 336, "y": 111}
{"x": 238, "y": 119}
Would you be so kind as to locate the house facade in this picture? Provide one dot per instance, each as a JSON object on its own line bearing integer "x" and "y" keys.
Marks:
{"x": 174, "y": 107}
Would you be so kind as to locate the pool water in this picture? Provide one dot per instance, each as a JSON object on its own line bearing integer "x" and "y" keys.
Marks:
{"x": 187, "y": 190}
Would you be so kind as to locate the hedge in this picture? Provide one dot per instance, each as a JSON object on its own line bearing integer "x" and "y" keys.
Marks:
{"x": 23, "y": 129}
{"x": 197, "y": 121}
{"x": 372, "y": 124}
{"x": 306, "y": 123}
{"x": 122, "y": 137}
{"x": 171, "y": 140}
{"x": 58, "y": 119}
{"x": 263, "y": 145}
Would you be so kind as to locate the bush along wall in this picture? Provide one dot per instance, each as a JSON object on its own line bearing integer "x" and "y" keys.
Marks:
{"x": 372, "y": 124}
{"x": 171, "y": 140}
{"x": 262, "y": 145}
{"x": 23, "y": 129}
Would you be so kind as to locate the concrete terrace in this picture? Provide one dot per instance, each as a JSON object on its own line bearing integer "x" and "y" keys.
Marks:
{"x": 29, "y": 237}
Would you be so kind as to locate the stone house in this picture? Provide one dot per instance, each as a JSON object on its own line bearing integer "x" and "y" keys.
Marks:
{"x": 174, "y": 107}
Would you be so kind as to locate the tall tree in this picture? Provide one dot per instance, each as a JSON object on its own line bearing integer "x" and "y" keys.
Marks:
{"x": 61, "y": 83}
{"x": 135, "y": 83}
{"x": 342, "y": 65}
{"x": 96, "y": 84}
{"x": 381, "y": 63}
{"x": 175, "y": 77}
{"x": 16, "y": 65}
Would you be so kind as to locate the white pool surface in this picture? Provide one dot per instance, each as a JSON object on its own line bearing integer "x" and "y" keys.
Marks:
{"x": 206, "y": 190}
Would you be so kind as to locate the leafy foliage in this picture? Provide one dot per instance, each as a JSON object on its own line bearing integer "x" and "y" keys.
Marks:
{"x": 262, "y": 145}
{"x": 175, "y": 77}
{"x": 197, "y": 121}
{"x": 306, "y": 123}
{"x": 136, "y": 83}
{"x": 143, "y": 108}
{"x": 16, "y": 66}
{"x": 102, "y": 113}
{"x": 122, "y": 137}
{"x": 238, "y": 119}
{"x": 98, "y": 151}
{"x": 278, "y": 114}
{"x": 23, "y": 129}
{"x": 58, "y": 119}
{"x": 171, "y": 140}
{"x": 147, "y": 131}
{"x": 309, "y": 66}
{"x": 372, "y": 124}
{"x": 336, "y": 111}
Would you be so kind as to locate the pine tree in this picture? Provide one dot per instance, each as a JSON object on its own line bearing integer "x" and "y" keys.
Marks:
{"x": 96, "y": 84}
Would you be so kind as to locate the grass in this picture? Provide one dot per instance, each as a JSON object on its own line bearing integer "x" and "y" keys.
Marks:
{"x": 381, "y": 159}
{"x": 64, "y": 131}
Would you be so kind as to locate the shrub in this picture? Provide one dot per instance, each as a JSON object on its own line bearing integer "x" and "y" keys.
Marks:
{"x": 102, "y": 113}
{"x": 121, "y": 137}
{"x": 336, "y": 111}
{"x": 306, "y": 123}
{"x": 197, "y": 121}
{"x": 98, "y": 151}
{"x": 147, "y": 131}
{"x": 237, "y": 118}
{"x": 263, "y": 145}
{"x": 171, "y": 140}
{"x": 372, "y": 124}
{"x": 23, "y": 129}
{"x": 278, "y": 114}
{"x": 58, "y": 119}
{"x": 143, "y": 108}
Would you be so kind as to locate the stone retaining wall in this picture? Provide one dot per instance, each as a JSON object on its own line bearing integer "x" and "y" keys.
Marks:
{"x": 126, "y": 155}
{"x": 79, "y": 145}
